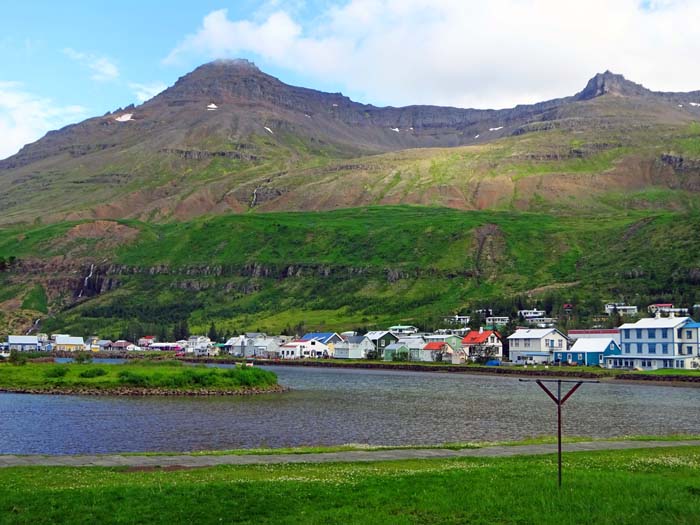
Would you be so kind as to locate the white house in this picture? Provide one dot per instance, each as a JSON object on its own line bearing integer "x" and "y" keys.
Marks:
{"x": 402, "y": 329}
{"x": 658, "y": 342}
{"x": 23, "y": 343}
{"x": 621, "y": 308}
{"x": 198, "y": 345}
{"x": 535, "y": 345}
{"x": 353, "y": 347}
{"x": 298, "y": 349}
{"x": 531, "y": 314}
{"x": 415, "y": 345}
{"x": 496, "y": 321}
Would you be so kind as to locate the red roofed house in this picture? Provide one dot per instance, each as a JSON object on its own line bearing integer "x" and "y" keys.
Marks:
{"x": 433, "y": 352}
{"x": 480, "y": 343}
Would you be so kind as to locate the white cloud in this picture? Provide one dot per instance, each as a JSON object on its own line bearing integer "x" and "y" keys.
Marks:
{"x": 145, "y": 92}
{"x": 25, "y": 117}
{"x": 102, "y": 68}
{"x": 465, "y": 52}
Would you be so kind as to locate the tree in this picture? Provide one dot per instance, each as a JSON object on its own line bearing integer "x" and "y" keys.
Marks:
{"x": 213, "y": 334}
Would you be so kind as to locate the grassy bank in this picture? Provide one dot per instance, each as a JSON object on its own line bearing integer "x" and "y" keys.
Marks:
{"x": 634, "y": 486}
{"x": 157, "y": 377}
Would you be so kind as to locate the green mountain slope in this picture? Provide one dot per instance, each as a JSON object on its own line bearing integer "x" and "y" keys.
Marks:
{"x": 342, "y": 269}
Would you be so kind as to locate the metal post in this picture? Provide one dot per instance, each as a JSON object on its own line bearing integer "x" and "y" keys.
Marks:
{"x": 559, "y": 401}
{"x": 559, "y": 426}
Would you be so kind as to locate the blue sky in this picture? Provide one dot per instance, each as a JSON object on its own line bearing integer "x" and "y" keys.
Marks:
{"x": 65, "y": 61}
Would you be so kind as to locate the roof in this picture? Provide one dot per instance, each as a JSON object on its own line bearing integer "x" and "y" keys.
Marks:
{"x": 23, "y": 340}
{"x": 435, "y": 346}
{"x": 355, "y": 339}
{"x": 377, "y": 334}
{"x": 611, "y": 331}
{"x": 395, "y": 346}
{"x": 670, "y": 305}
{"x": 68, "y": 340}
{"x": 657, "y": 322}
{"x": 476, "y": 337}
{"x": 597, "y": 345}
{"x": 533, "y": 333}
{"x": 319, "y": 336}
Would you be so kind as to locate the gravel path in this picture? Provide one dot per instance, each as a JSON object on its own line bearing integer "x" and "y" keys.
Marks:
{"x": 185, "y": 461}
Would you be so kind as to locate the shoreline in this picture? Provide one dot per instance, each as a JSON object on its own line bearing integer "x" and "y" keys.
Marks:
{"x": 142, "y": 392}
{"x": 552, "y": 372}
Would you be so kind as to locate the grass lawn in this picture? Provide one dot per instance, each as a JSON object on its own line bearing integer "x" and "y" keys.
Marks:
{"x": 636, "y": 486}
{"x": 170, "y": 375}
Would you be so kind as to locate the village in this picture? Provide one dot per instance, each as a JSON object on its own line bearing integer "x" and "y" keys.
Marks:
{"x": 668, "y": 339}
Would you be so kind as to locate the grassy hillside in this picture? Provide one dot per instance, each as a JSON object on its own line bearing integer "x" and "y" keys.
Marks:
{"x": 340, "y": 270}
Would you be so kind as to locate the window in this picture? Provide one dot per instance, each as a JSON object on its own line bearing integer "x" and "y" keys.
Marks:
{"x": 664, "y": 348}
{"x": 664, "y": 333}
{"x": 639, "y": 348}
{"x": 652, "y": 348}
{"x": 688, "y": 334}
{"x": 559, "y": 343}
{"x": 516, "y": 343}
{"x": 627, "y": 348}
{"x": 626, "y": 331}
{"x": 526, "y": 343}
{"x": 689, "y": 350}
{"x": 580, "y": 357}
{"x": 652, "y": 333}
{"x": 639, "y": 333}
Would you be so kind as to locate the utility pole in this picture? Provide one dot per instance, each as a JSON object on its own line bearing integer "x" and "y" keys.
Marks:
{"x": 559, "y": 401}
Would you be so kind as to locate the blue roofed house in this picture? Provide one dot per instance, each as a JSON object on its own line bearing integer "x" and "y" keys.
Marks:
{"x": 330, "y": 339}
{"x": 658, "y": 342}
{"x": 588, "y": 352}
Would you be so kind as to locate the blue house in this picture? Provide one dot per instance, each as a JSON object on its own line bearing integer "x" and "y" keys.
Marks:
{"x": 588, "y": 352}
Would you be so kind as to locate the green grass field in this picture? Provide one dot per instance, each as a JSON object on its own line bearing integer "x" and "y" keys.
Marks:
{"x": 171, "y": 375}
{"x": 637, "y": 486}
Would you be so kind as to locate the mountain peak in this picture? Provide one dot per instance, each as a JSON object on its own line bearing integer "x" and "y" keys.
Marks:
{"x": 609, "y": 82}
{"x": 238, "y": 63}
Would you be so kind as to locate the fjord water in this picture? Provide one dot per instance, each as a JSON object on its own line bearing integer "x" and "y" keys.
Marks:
{"x": 338, "y": 406}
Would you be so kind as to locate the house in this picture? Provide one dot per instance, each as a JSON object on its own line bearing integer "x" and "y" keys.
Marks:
{"x": 454, "y": 341}
{"x": 531, "y": 314}
{"x": 327, "y": 338}
{"x": 588, "y": 352}
{"x": 436, "y": 351}
{"x": 122, "y": 345}
{"x": 535, "y": 345}
{"x": 262, "y": 346}
{"x": 23, "y": 343}
{"x": 658, "y": 342}
{"x": 380, "y": 339}
{"x": 457, "y": 320}
{"x": 620, "y": 308}
{"x": 482, "y": 343}
{"x": 197, "y": 344}
{"x": 402, "y": 329}
{"x": 567, "y": 308}
{"x": 102, "y": 345}
{"x": 497, "y": 321}
{"x": 66, "y": 343}
{"x": 666, "y": 308}
{"x": 299, "y": 349}
{"x": 596, "y": 333}
{"x": 396, "y": 352}
{"x": 415, "y": 344}
{"x": 353, "y": 347}
{"x": 146, "y": 341}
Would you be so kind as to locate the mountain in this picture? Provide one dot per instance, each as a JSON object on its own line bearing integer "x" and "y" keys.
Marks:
{"x": 230, "y": 138}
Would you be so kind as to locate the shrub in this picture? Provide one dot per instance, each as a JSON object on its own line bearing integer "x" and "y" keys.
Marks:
{"x": 83, "y": 358}
{"x": 127, "y": 377}
{"x": 56, "y": 371}
{"x": 16, "y": 358}
{"x": 93, "y": 372}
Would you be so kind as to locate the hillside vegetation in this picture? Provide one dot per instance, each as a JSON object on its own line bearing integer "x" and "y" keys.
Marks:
{"x": 342, "y": 269}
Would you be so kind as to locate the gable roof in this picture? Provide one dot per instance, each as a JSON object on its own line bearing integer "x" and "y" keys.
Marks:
{"x": 395, "y": 346}
{"x": 436, "y": 346}
{"x": 534, "y": 333}
{"x": 324, "y": 337}
{"x": 596, "y": 344}
{"x": 657, "y": 322}
{"x": 475, "y": 337}
{"x": 378, "y": 334}
{"x": 68, "y": 340}
{"x": 22, "y": 339}
{"x": 355, "y": 339}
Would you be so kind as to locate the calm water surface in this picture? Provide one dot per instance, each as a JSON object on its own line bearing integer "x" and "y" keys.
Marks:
{"x": 334, "y": 406}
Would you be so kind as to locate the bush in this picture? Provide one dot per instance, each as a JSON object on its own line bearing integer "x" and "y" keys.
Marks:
{"x": 83, "y": 358}
{"x": 127, "y": 377}
{"x": 93, "y": 372}
{"x": 56, "y": 371}
{"x": 16, "y": 358}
